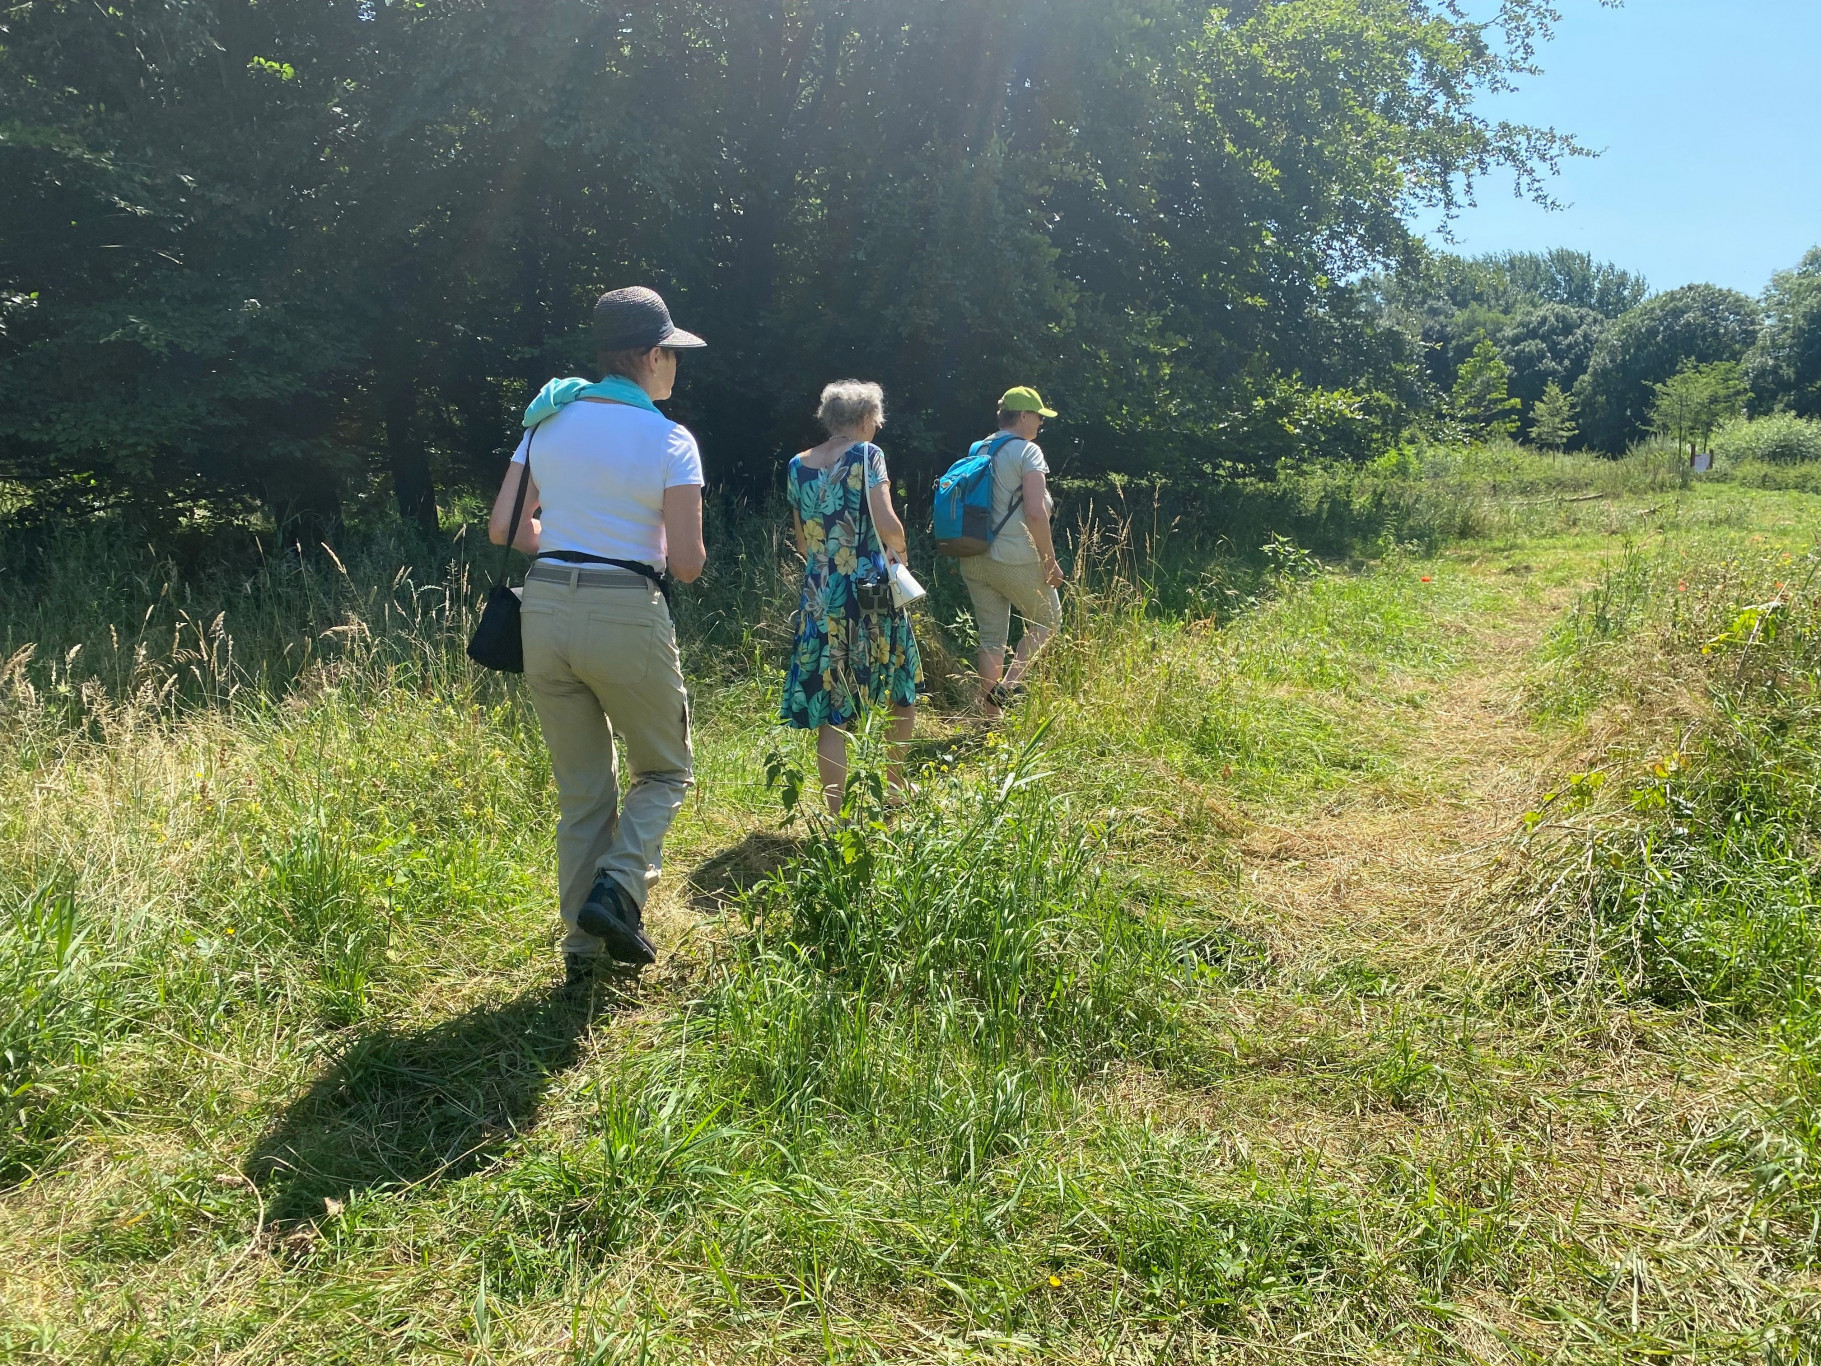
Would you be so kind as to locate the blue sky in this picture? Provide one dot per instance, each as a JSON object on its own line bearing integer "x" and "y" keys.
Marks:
{"x": 1708, "y": 117}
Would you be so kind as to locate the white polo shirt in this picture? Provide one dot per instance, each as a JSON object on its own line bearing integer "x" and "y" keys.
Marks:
{"x": 601, "y": 470}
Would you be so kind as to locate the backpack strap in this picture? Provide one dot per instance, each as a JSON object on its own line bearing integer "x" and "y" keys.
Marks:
{"x": 1017, "y": 498}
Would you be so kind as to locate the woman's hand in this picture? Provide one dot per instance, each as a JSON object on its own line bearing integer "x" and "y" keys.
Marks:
{"x": 1052, "y": 572}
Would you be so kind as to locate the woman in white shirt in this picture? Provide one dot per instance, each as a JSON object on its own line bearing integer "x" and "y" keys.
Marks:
{"x": 615, "y": 492}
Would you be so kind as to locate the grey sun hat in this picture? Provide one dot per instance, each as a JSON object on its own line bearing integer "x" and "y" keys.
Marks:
{"x": 636, "y": 319}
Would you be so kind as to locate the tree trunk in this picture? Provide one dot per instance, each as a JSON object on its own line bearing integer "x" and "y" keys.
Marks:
{"x": 409, "y": 461}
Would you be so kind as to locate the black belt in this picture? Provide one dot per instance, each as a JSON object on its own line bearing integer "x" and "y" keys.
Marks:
{"x": 639, "y": 567}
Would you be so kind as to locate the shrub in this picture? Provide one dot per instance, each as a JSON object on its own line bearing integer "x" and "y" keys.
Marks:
{"x": 1776, "y": 438}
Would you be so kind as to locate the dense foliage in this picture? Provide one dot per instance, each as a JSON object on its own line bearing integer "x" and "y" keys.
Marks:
{"x": 262, "y": 251}
{"x": 1785, "y": 366}
{"x": 1697, "y": 324}
{"x": 1595, "y": 332}
{"x": 1544, "y": 312}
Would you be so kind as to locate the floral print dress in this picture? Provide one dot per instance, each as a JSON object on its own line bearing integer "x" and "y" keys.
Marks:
{"x": 844, "y": 661}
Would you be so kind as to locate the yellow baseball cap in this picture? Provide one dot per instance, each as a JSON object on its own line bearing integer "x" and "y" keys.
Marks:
{"x": 1024, "y": 399}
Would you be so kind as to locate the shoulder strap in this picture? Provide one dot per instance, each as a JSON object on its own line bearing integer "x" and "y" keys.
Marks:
{"x": 1018, "y": 496}
{"x": 518, "y": 507}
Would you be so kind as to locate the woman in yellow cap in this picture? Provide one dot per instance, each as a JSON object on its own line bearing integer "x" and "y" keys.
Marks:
{"x": 1019, "y": 567}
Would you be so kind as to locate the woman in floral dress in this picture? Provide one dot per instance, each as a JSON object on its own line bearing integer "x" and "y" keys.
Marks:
{"x": 847, "y": 661}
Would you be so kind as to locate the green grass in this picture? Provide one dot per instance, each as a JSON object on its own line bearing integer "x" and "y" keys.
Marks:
{"x": 1219, "y": 1005}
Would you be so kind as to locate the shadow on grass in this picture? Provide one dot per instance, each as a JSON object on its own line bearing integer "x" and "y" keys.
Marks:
{"x": 405, "y": 1109}
{"x": 965, "y": 742}
{"x": 715, "y": 883}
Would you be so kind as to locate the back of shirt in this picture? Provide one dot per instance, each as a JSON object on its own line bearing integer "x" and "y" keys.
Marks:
{"x": 1013, "y": 544}
{"x": 601, "y": 470}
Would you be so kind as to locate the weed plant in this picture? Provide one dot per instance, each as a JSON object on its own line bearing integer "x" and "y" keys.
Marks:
{"x": 985, "y": 921}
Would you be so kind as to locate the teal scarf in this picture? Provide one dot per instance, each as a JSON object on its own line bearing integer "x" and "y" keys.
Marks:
{"x": 560, "y": 393}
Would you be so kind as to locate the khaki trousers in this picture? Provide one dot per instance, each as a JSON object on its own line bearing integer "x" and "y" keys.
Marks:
{"x": 996, "y": 587}
{"x": 600, "y": 660}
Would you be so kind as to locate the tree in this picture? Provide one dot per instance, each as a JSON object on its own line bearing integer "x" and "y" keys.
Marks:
{"x": 1479, "y": 399}
{"x": 1548, "y": 344}
{"x": 1695, "y": 325}
{"x": 1572, "y": 279}
{"x": 1784, "y": 368}
{"x": 1552, "y": 420}
{"x": 1689, "y": 405}
{"x": 317, "y": 247}
{"x": 1544, "y": 311}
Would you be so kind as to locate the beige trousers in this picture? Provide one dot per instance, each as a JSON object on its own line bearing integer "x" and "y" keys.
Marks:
{"x": 997, "y": 587}
{"x": 600, "y": 660}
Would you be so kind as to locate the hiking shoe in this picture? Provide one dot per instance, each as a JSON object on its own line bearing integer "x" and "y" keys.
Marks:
{"x": 579, "y": 971}
{"x": 611, "y": 917}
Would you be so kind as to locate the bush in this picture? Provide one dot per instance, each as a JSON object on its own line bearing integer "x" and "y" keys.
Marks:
{"x": 1776, "y": 439}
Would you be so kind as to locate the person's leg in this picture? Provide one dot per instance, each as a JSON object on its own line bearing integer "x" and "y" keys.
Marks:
{"x": 580, "y": 740}
{"x": 1034, "y": 639}
{"x": 993, "y": 622}
{"x": 831, "y": 766}
{"x": 904, "y": 725}
{"x": 630, "y": 661}
{"x": 1041, "y": 609}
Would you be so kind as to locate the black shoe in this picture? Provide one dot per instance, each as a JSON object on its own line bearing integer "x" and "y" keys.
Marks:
{"x": 579, "y": 971}
{"x": 610, "y": 916}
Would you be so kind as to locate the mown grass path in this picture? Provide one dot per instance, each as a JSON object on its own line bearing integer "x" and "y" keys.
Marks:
{"x": 1552, "y": 1166}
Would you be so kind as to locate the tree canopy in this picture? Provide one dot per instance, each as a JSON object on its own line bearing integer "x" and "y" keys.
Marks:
{"x": 1784, "y": 368}
{"x": 1694, "y": 325}
{"x": 264, "y": 250}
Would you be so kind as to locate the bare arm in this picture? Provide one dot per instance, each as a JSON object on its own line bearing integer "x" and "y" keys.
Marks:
{"x": 499, "y": 521}
{"x": 683, "y": 531}
{"x": 1037, "y": 518}
{"x": 885, "y": 520}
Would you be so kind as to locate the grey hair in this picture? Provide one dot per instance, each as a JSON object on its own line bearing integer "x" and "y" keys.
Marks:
{"x": 848, "y": 402}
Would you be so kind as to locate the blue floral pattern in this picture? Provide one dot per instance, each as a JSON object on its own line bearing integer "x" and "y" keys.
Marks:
{"x": 844, "y": 660}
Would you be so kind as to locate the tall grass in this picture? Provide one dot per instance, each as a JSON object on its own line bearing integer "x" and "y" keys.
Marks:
{"x": 1686, "y": 876}
{"x": 316, "y": 770}
{"x": 985, "y": 925}
{"x": 1019, "y": 1068}
{"x": 55, "y": 1010}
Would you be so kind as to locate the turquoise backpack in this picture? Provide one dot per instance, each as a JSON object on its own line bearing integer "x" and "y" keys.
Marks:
{"x": 964, "y": 523}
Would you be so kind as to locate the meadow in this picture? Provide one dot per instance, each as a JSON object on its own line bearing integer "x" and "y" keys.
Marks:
{"x": 1386, "y": 933}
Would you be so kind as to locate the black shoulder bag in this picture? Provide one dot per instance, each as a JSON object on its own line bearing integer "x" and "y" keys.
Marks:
{"x": 497, "y": 642}
{"x": 873, "y": 596}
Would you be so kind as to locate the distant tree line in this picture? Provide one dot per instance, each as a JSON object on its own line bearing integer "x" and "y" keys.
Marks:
{"x": 288, "y": 254}
{"x": 1605, "y": 343}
